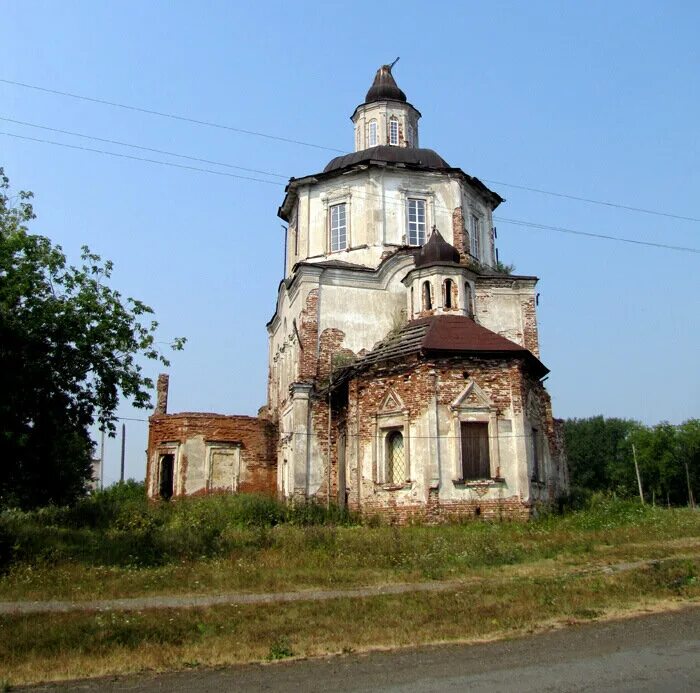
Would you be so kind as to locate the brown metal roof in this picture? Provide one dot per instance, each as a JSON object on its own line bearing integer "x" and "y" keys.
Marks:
{"x": 384, "y": 87}
{"x": 436, "y": 250}
{"x": 447, "y": 334}
{"x": 386, "y": 153}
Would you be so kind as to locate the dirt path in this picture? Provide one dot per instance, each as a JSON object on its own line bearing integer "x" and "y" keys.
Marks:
{"x": 231, "y": 598}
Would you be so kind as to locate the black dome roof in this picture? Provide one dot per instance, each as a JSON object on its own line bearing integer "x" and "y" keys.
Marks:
{"x": 437, "y": 249}
{"x": 409, "y": 156}
{"x": 384, "y": 87}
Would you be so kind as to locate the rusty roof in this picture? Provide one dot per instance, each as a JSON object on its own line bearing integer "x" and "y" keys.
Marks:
{"x": 384, "y": 87}
{"x": 436, "y": 250}
{"x": 385, "y": 153}
{"x": 447, "y": 335}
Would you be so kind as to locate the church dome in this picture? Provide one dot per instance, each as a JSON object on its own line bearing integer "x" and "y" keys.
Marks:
{"x": 436, "y": 250}
{"x": 408, "y": 156}
{"x": 384, "y": 87}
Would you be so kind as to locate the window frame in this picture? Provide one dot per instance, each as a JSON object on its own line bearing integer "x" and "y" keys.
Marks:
{"x": 475, "y": 235}
{"x": 424, "y": 202}
{"x": 389, "y": 470}
{"x": 393, "y": 123}
{"x": 372, "y": 133}
{"x": 345, "y": 226}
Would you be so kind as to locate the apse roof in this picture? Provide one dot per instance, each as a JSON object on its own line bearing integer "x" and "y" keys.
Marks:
{"x": 447, "y": 335}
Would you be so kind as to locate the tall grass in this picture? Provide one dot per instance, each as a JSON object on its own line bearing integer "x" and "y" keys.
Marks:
{"x": 119, "y": 526}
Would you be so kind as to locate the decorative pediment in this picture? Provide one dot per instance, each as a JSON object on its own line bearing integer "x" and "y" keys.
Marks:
{"x": 391, "y": 403}
{"x": 472, "y": 397}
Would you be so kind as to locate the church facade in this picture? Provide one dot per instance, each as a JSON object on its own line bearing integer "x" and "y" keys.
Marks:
{"x": 404, "y": 374}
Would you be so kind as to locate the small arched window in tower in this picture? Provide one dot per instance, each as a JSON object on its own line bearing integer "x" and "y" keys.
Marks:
{"x": 393, "y": 130}
{"x": 395, "y": 459}
{"x": 468, "y": 299}
{"x": 427, "y": 297}
{"x": 372, "y": 133}
{"x": 447, "y": 291}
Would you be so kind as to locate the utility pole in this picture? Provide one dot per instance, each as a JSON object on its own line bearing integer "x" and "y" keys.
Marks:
{"x": 121, "y": 474}
{"x": 102, "y": 459}
{"x": 691, "y": 500}
{"x": 639, "y": 478}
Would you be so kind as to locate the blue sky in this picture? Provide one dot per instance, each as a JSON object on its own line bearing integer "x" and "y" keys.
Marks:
{"x": 596, "y": 99}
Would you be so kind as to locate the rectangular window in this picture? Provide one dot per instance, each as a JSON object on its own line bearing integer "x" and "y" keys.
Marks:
{"x": 475, "y": 450}
{"x": 475, "y": 236}
{"x": 416, "y": 221}
{"x": 393, "y": 131}
{"x": 372, "y": 133}
{"x": 339, "y": 228}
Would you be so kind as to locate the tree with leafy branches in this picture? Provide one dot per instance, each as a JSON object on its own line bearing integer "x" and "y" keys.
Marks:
{"x": 70, "y": 347}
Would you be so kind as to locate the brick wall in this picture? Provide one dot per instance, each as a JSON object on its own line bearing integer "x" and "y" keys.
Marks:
{"x": 257, "y": 438}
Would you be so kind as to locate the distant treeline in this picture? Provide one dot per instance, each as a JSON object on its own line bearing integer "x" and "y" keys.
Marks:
{"x": 601, "y": 455}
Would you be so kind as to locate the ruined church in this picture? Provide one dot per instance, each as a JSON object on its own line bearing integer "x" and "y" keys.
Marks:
{"x": 404, "y": 375}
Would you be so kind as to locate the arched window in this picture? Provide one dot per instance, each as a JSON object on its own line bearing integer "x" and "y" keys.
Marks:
{"x": 395, "y": 459}
{"x": 393, "y": 130}
{"x": 447, "y": 297}
{"x": 468, "y": 299}
{"x": 372, "y": 133}
{"x": 427, "y": 297}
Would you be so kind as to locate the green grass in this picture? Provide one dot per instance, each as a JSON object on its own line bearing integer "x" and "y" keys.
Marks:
{"x": 56, "y": 646}
{"x": 119, "y": 545}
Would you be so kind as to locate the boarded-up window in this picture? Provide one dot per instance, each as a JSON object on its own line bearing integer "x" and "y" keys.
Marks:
{"x": 395, "y": 460}
{"x": 475, "y": 450}
{"x": 224, "y": 468}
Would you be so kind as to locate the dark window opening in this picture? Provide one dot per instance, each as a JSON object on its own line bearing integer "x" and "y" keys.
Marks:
{"x": 475, "y": 450}
{"x": 427, "y": 298}
{"x": 167, "y": 477}
{"x": 448, "y": 293}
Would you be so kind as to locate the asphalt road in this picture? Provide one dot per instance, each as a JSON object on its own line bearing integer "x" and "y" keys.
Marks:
{"x": 659, "y": 652}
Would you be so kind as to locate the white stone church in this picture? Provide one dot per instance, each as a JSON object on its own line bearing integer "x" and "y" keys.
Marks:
{"x": 404, "y": 372}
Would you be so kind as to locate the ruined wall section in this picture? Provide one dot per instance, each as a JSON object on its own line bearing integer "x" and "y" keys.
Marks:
{"x": 212, "y": 453}
{"x": 507, "y": 305}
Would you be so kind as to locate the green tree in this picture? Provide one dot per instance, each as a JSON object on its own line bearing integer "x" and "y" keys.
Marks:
{"x": 689, "y": 454}
{"x": 69, "y": 348}
{"x": 600, "y": 458}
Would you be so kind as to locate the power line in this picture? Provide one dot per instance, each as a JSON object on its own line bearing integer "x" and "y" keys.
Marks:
{"x": 518, "y": 222}
{"x": 142, "y": 148}
{"x": 561, "y": 229}
{"x": 592, "y": 201}
{"x": 139, "y": 158}
{"x": 172, "y": 116}
{"x": 196, "y": 121}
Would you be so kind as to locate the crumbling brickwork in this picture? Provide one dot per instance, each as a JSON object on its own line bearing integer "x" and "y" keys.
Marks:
{"x": 191, "y": 438}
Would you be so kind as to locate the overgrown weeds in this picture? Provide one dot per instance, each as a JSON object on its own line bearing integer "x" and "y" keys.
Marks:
{"x": 117, "y": 544}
